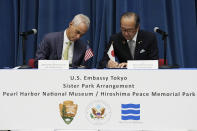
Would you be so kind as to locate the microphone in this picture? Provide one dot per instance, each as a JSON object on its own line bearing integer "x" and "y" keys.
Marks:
{"x": 156, "y": 29}
{"x": 32, "y": 31}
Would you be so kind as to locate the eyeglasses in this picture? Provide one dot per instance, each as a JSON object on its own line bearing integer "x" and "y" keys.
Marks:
{"x": 128, "y": 30}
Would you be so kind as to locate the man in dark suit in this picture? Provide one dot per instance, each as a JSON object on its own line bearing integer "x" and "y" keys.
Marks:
{"x": 65, "y": 45}
{"x": 130, "y": 44}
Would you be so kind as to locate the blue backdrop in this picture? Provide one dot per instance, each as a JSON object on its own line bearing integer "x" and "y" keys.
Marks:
{"x": 177, "y": 17}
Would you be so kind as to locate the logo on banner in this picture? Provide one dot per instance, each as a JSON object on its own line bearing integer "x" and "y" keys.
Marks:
{"x": 98, "y": 112}
{"x": 130, "y": 112}
{"x": 68, "y": 111}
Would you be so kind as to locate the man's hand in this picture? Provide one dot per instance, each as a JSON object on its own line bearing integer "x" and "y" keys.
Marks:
{"x": 122, "y": 65}
{"x": 112, "y": 64}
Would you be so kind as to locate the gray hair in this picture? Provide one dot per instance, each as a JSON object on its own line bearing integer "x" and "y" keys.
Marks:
{"x": 81, "y": 18}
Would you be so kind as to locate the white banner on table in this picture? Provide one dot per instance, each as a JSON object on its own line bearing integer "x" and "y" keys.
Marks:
{"x": 98, "y": 99}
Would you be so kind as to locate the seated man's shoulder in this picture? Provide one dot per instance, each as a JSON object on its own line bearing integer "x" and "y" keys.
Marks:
{"x": 147, "y": 33}
{"x": 82, "y": 43}
{"x": 52, "y": 35}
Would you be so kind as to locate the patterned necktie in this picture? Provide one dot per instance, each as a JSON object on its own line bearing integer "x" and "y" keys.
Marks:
{"x": 66, "y": 50}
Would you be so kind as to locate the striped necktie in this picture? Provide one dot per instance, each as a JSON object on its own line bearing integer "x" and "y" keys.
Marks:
{"x": 66, "y": 50}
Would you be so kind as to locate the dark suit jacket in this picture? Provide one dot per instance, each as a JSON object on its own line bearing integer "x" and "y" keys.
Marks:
{"x": 51, "y": 49}
{"x": 146, "y": 48}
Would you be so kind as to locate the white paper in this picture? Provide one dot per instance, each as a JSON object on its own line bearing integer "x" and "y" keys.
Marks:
{"x": 53, "y": 64}
{"x": 142, "y": 64}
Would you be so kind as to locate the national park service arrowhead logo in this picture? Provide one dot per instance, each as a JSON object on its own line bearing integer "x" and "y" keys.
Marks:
{"x": 98, "y": 112}
{"x": 68, "y": 111}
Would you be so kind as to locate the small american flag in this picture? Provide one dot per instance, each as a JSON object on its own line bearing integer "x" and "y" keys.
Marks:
{"x": 88, "y": 54}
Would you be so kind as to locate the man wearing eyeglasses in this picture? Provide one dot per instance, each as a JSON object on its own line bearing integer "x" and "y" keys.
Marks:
{"x": 65, "y": 45}
{"x": 130, "y": 44}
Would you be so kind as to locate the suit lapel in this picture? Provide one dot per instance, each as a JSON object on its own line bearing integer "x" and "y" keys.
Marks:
{"x": 125, "y": 47}
{"x": 60, "y": 45}
{"x": 139, "y": 43}
{"x": 74, "y": 53}
{"x": 78, "y": 49}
